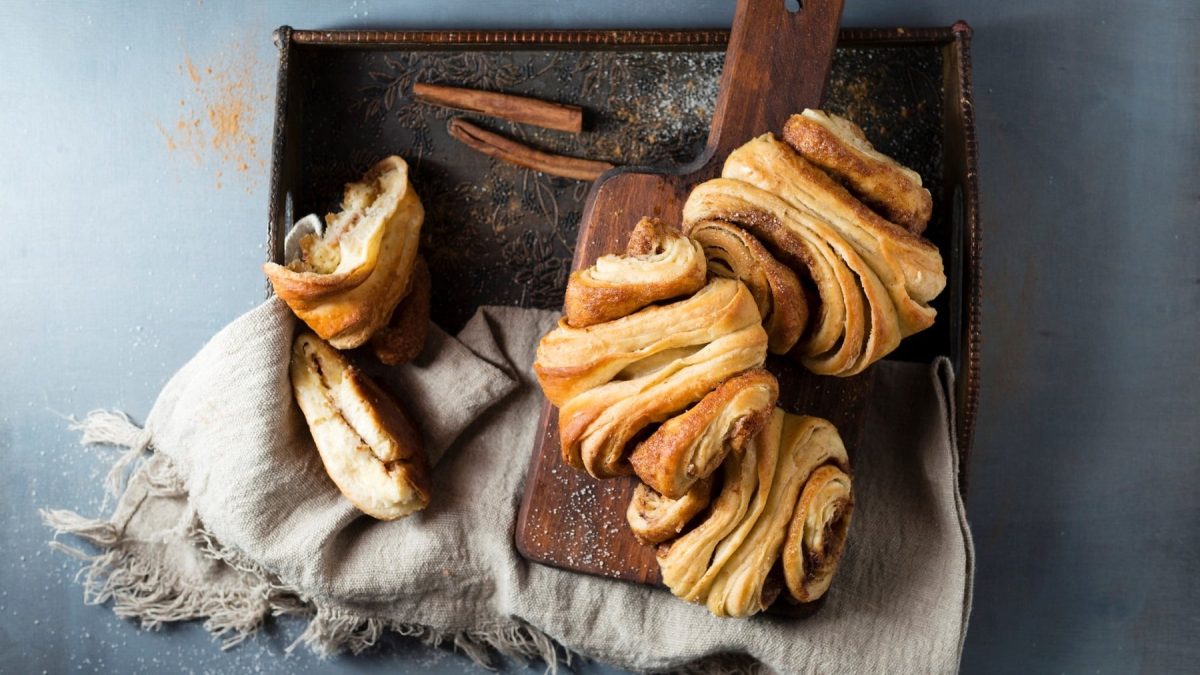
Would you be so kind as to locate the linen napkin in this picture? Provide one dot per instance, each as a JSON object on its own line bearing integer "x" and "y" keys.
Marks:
{"x": 232, "y": 518}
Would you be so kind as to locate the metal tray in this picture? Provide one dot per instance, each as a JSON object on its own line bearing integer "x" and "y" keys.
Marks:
{"x": 497, "y": 234}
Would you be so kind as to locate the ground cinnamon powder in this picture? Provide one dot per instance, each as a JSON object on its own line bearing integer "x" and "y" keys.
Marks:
{"x": 216, "y": 122}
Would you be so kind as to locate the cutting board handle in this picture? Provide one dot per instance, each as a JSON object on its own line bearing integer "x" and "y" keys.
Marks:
{"x": 775, "y": 65}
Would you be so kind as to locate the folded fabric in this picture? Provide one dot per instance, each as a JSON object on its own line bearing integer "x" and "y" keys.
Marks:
{"x": 232, "y": 518}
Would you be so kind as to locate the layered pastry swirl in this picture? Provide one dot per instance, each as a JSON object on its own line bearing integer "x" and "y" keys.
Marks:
{"x": 724, "y": 562}
{"x": 691, "y": 446}
{"x": 873, "y": 279}
{"x": 613, "y": 379}
{"x": 654, "y": 518}
{"x": 658, "y": 264}
{"x": 348, "y": 280}
{"x": 734, "y": 253}
{"x": 839, "y": 147}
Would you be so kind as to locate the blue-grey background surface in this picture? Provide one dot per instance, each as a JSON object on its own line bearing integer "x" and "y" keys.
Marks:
{"x": 126, "y": 245}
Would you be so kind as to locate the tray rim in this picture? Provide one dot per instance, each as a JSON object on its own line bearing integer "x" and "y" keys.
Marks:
{"x": 955, "y": 37}
{"x": 624, "y": 37}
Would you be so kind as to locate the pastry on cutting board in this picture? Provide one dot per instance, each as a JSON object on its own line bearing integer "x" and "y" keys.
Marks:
{"x": 840, "y": 147}
{"x": 872, "y": 280}
{"x": 614, "y": 379}
{"x": 796, "y": 470}
{"x": 659, "y": 264}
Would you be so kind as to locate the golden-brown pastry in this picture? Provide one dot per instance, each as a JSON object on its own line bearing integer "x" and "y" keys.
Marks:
{"x": 806, "y": 445}
{"x": 725, "y": 560}
{"x": 840, "y": 147}
{"x": 691, "y": 563}
{"x": 402, "y": 339}
{"x": 347, "y": 281}
{"x": 596, "y": 426}
{"x": 572, "y": 360}
{"x": 909, "y": 267}
{"x": 689, "y": 447}
{"x": 655, "y": 518}
{"x": 366, "y": 442}
{"x": 734, "y": 253}
{"x": 817, "y": 534}
{"x": 659, "y": 264}
{"x": 856, "y": 324}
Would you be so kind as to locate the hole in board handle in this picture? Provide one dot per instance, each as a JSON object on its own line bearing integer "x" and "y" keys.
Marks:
{"x": 793, "y": 6}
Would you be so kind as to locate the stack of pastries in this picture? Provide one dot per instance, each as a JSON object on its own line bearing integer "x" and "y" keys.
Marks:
{"x": 358, "y": 280}
{"x": 808, "y": 247}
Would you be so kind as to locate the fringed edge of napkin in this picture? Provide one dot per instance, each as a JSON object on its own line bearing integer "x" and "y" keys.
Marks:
{"x": 144, "y": 590}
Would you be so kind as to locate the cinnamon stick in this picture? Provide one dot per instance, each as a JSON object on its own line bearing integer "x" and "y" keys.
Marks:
{"x": 521, "y": 109}
{"x": 508, "y": 150}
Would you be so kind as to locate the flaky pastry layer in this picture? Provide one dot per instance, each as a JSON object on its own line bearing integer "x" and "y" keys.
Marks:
{"x": 725, "y": 560}
{"x": 690, "y": 446}
{"x": 654, "y": 518}
{"x": 573, "y": 360}
{"x": 348, "y": 281}
{"x": 840, "y": 147}
{"x": 733, "y": 253}
{"x": 368, "y": 446}
{"x": 659, "y": 264}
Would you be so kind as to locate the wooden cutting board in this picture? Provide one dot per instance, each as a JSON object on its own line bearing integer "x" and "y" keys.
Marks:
{"x": 776, "y": 64}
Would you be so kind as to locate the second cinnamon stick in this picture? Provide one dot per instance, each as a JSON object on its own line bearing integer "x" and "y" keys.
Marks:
{"x": 508, "y": 150}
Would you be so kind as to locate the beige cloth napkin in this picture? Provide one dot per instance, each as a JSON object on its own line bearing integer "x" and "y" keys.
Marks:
{"x": 232, "y": 518}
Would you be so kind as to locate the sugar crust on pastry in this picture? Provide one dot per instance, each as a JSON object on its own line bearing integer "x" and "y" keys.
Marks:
{"x": 840, "y": 147}
{"x": 659, "y": 264}
{"x": 691, "y": 446}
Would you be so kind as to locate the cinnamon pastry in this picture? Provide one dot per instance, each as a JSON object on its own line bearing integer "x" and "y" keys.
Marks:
{"x": 733, "y": 253}
{"x": 659, "y": 264}
{"x": 725, "y": 560}
{"x": 910, "y": 267}
{"x": 347, "y": 281}
{"x": 403, "y": 338}
{"x": 655, "y": 518}
{"x": 691, "y": 563}
{"x": 691, "y": 446}
{"x": 573, "y": 360}
{"x": 840, "y": 147}
{"x": 807, "y": 445}
{"x": 596, "y": 426}
{"x": 857, "y": 323}
{"x": 366, "y": 442}
{"x": 817, "y": 534}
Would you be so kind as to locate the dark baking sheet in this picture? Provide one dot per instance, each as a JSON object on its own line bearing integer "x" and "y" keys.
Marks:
{"x": 499, "y": 234}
